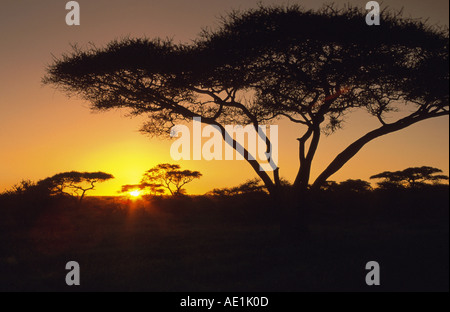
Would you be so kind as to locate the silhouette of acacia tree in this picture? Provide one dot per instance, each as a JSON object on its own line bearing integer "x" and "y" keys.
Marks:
{"x": 170, "y": 177}
{"x": 309, "y": 67}
{"x": 410, "y": 177}
{"x": 74, "y": 183}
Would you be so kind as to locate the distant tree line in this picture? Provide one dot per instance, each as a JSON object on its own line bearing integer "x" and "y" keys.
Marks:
{"x": 250, "y": 186}
{"x": 172, "y": 179}
{"x": 410, "y": 178}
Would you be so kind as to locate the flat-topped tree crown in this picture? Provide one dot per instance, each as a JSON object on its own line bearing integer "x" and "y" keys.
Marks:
{"x": 170, "y": 177}
{"x": 74, "y": 183}
{"x": 411, "y": 177}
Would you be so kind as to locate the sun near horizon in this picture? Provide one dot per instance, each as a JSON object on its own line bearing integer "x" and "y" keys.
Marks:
{"x": 135, "y": 193}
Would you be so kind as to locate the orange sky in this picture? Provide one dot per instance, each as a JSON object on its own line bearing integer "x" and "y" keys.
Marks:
{"x": 42, "y": 132}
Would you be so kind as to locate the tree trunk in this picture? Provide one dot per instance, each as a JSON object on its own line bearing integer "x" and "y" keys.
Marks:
{"x": 301, "y": 182}
{"x": 82, "y": 196}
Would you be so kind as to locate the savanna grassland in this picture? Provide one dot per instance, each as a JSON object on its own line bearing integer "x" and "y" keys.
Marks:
{"x": 226, "y": 243}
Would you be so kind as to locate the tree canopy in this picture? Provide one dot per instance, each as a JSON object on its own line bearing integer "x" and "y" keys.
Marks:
{"x": 410, "y": 177}
{"x": 309, "y": 67}
{"x": 74, "y": 183}
{"x": 170, "y": 177}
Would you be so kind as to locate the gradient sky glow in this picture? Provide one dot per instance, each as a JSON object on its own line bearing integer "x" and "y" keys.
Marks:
{"x": 42, "y": 132}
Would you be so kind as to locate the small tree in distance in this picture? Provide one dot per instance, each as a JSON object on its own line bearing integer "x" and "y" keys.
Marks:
{"x": 74, "y": 183}
{"x": 170, "y": 177}
{"x": 410, "y": 177}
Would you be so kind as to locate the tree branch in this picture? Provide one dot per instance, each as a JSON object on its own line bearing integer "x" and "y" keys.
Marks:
{"x": 356, "y": 146}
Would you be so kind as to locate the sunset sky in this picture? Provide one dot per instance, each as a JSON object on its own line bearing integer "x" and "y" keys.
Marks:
{"x": 43, "y": 132}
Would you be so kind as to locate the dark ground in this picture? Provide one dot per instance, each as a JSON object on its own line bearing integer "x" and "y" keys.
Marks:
{"x": 226, "y": 244}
